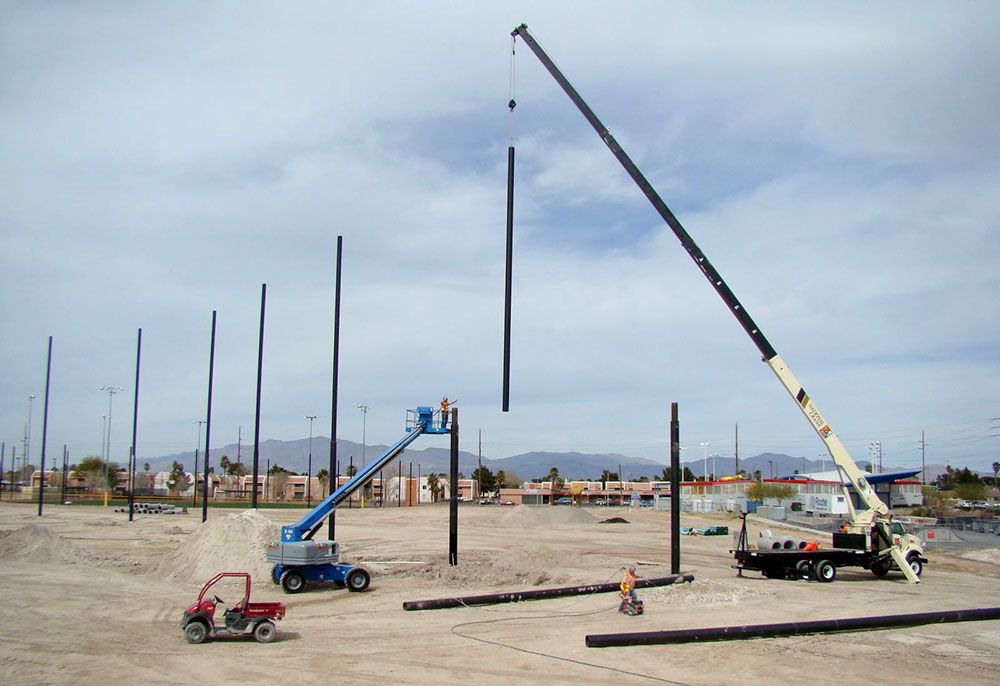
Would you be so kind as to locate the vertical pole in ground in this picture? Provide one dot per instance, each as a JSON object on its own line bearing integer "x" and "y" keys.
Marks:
{"x": 3, "y": 454}
{"x": 336, "y": 376}
{"x": 135, "y": 422}
{"x": 508, "y": 280}
{"x": 260, "y": 369}
{"x": 675, "y": 491}
{"x": 409, "y": 487}
{"x": 453, "y": 518}
{"x": 208, "y": 414}
{"x": 45, "y": 427}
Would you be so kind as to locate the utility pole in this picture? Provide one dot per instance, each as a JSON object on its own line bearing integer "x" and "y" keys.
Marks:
{"x": 736, "y": 472}
{"x": 705, "y": 447}
{"x": 111, "y": 396}
{"x": 197, "y": 447}
{"x": 27, "y": 430}
{"x": 310, "y": 417}
{"x": 923, "y": 460}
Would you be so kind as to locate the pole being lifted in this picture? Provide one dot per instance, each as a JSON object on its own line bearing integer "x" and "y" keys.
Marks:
{"x": 334, "y": 469}
{"x": 260, "y": 371}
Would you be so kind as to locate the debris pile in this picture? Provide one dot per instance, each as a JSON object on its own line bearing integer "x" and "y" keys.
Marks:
{"x": 534, "y": 517}
{"x": 234, "y": 543}
{"x": 34, "y": 543}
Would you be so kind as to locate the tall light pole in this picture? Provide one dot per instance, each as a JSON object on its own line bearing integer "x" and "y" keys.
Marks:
{"x": 111, "y": 396}
{"x": 705, "y": 447}
{"x": 27, "y": 433}
{"x": 822, "y": 461}
{"x": 364, "y": 422}
{"x": 715, "y": 474}
{"x": 197, "y": 447}
{"x": 309, "y": 475}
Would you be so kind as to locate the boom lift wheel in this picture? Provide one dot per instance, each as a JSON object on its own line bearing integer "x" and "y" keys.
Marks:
{"x": 292, "y": 582}
{"x": 265, "y": 631}
{"x": 357, "y": 580}
{"x": 195, "y": 632}
{"x": 824, "y": 571}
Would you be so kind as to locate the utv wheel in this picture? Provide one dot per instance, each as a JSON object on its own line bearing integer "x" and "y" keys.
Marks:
{"x": 357, "y": 580}
{"x": 915, "y": 564}
{"x": 265, "y": 632}
{"x": 195, "y": 632}
{"x": 292, "y": 582}
{"x": 824, "y": 571}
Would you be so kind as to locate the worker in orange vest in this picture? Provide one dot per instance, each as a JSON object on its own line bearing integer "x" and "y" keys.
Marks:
{"x": 445, "y": 409}
{"x": 627, "y": 587}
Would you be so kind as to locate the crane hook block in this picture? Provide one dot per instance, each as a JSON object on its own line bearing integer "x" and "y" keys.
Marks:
{"x": 512, "y": 104}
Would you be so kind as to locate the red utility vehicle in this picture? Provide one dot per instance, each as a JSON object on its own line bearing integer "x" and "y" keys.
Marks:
{"x": 245, "y": 617}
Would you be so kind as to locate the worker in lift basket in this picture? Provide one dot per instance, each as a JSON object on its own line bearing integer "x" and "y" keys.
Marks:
{"x": 627, "y": 587}
{"x": 445, "y": 409}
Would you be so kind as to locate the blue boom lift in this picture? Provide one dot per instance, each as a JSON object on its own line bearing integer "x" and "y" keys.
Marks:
{"x": 299, "y": 559}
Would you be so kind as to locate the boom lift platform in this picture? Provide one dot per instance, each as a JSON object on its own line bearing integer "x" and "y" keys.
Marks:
{"x": 299, "y": 559}
{"x": 870, "y": 524}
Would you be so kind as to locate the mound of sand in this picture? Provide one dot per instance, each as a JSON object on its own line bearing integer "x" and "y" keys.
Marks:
{"x": 34, "y": 543}
{"x": 705, "y": 593}
{"x": 985, "y": 555}
{"x": 536, "y": 517}
{"x": 234, "y": 543}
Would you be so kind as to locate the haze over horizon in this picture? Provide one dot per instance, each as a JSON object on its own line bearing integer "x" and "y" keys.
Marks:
{"x": 161, "y": 160}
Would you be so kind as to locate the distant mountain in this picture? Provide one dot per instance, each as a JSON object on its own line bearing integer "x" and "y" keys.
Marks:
{"x": 293, "y": 455}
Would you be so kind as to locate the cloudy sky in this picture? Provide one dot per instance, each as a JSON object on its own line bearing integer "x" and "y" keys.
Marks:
{"x": 840, "y": 165}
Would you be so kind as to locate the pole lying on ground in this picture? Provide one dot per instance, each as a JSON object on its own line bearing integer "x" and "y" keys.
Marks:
{"x": 540, "y": 594}
{"x": 725, "y": 633}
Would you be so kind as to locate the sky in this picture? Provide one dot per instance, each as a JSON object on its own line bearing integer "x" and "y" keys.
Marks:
{"x": 162, "y": 160}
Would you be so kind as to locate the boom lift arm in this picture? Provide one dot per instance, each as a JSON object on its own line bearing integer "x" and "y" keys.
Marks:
{"x": 874, "y": 507}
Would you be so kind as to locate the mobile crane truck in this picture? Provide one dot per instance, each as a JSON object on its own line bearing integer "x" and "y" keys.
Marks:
{"x": 299, "y": 559}
{"x": 870, "y": 541}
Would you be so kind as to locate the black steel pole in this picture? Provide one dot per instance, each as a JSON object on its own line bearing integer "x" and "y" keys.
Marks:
{"x": 135, "y": 424}
{"x": 453, "y": 505}
{"x": 508, "y": 279}
{"x": 350, "y": 498}
{"x": 675, "y": 491}
{"x": 208, "y": 419}
{"x": 409, "y": 482}
{"x": 725, "y": 633}
{"x": 336, "y": 381}
{"x": 540, "y": 594}
{"x": 260, "y": 370}
{"x": 45, "y": 427}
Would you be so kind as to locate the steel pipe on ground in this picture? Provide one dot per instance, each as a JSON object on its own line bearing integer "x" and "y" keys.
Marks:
{"x": 540, "y": 594}
{"x": 726, "y": 633}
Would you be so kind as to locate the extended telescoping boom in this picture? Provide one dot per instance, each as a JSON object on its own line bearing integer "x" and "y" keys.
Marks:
{"x": 298, "y": 559}
{"x": 862, "y": 520}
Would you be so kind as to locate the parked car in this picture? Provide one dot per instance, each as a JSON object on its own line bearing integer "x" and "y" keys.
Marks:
{"x": 565, "y": 500}
{"x": 507, "y": 502}
{"x": 602, "y": 502}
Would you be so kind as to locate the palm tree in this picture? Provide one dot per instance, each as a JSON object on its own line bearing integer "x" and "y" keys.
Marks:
{"x": 434, "y": 485}
{"x": 996, "y": 468}
{"x": 323, "y": 477}
{"x": 500, "y": 478}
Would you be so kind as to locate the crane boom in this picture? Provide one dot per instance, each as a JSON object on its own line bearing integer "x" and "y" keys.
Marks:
{"x": 874, "y": 505}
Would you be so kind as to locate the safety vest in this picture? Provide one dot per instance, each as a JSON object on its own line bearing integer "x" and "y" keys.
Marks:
{"x": 628, "y": 583}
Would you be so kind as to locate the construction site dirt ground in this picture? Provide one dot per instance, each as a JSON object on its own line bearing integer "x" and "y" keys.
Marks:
{"x": 88, "y": 597}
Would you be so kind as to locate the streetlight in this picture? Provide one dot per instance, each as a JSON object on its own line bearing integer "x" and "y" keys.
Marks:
{"x": 364, "y": 422}
{"x": 111, "y": 396}
{"x": 27, "y": 434}
{"x": 309, "y": 476}
{"x": 715, "y": 474}
{"x": 197, "y": 446}
{"x": 705, "y": 447}
{"x": 822, "y": 461}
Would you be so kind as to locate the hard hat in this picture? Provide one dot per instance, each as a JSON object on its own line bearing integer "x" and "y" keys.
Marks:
{"x": 631, "y": 567}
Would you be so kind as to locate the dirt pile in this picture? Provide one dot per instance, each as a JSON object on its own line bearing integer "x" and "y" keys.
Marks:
{"x": 991, "y": 555}
{"x": 34, "y": 543}
{"x": 705, "y": 593}
{"x": 233, "y": 543}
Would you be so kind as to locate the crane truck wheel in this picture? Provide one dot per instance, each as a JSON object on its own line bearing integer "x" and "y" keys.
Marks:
{"x": 915, "y": 564}
{"x": 265, "y": 632}
{"x": 292, "y": 582}
{"x": 880, "y": 568}
{"x": 824, "y": 571}
{"x": 195, "y": 632}
{"x": 357, "y": 580}
{"x": 803, "y": 569}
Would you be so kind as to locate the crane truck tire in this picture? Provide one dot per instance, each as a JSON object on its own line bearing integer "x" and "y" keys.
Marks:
{"x": 357, "y": 580}
{"x": 915, "y": 564}
{"x": 195, "y": 632}
{"x": 265, "y": 631}
{"x": 804, "y": 569}
{"x": 880, "y": 568}
{"x": 292, "y": 582}
{"x": 824, "y": 571}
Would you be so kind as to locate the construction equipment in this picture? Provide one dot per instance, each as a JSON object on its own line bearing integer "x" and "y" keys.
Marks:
{"x": 298, "y": 559}
{"x": 870, "y": 523}
{"x": 245, "y": 617}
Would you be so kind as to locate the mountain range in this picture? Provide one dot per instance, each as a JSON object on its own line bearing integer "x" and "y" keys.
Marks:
{"x": 294, "y": 456}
